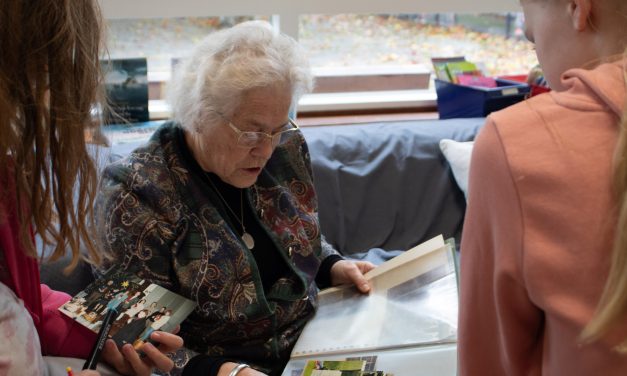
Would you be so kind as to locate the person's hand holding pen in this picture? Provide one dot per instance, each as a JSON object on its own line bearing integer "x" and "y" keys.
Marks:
{"x": 129, "y": 362}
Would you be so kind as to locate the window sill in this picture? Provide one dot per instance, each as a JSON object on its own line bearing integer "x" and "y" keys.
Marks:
{"x": 342, "y": 102}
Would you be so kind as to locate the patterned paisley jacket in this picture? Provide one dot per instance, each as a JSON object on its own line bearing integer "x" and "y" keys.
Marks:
{"x": 157, "y": 220}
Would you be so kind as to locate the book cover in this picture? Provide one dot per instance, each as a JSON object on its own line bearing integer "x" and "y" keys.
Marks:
{"x": 473, "y": 80}
{"x": 457, "y": 68}
{"x": 142, "y": 307}
{"x": 439, "y": 66}
{"x": 126, "y": 83}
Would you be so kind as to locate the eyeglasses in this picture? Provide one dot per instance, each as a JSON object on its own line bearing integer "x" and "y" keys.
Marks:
{"x": 248, "y": 139}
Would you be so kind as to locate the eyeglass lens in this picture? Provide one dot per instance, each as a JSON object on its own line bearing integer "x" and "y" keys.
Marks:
{"x": 252, "y": 139}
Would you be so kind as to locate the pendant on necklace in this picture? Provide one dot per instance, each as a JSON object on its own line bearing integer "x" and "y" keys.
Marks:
{"x": 248, "y": 240}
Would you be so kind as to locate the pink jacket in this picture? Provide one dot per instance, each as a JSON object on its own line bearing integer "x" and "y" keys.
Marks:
{"x": 59, "y": 335}
{"x": 538, "y": 233}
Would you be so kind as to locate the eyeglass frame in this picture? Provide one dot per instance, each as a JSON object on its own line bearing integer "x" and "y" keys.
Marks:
{"x": 275, "y": 139}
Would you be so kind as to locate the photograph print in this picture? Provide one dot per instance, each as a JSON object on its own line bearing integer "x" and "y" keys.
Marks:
{"x": 141, "y": 307}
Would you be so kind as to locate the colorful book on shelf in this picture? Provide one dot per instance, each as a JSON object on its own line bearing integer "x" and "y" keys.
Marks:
{"x": 458, "y": 68}
{"x": 441, "y": 72}
{"x": 141, "y": 307}
{"x": 439, "y": 66}
{"x": 474, "y": 80}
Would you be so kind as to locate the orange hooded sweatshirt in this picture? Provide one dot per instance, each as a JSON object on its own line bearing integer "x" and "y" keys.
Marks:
{"x": 538, "y": 233}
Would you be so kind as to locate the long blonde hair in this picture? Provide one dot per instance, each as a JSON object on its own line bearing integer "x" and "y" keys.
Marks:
{"x": 49, "y": 82}
{"x": 613, "y": 304}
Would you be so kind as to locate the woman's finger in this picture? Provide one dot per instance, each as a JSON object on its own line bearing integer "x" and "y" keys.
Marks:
{"x": 357, "y": 277}
{"x": 168, "y": 342}
{"x": 365, "y": 266}
{"x": 112, "y": 356}
{"x": 156, "y": 357}
{"x": 139, "y": 366}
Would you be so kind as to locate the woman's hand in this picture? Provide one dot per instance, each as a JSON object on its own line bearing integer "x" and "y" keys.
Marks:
{"x": 129, "y": 362}
{"x": 345, "y": 272}
{"x": 87, "y": 372}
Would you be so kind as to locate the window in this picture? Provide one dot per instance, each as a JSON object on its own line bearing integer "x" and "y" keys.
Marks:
{"x": 493, "y": 40}
{"x": 377, "y": 47}
{"x": 388, "y": 57}
{"x": 162, "y": 40}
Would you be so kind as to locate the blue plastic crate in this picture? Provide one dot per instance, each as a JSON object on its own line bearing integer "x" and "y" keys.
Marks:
{"x": 460, "y": 101}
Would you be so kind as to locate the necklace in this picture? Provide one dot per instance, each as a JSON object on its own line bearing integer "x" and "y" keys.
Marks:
{"x": 246, "y": 237}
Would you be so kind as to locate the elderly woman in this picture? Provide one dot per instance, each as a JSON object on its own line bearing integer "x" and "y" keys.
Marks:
{"x": 220, "y": 206}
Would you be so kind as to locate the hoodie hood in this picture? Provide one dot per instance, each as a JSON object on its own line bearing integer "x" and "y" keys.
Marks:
{"x": 595, "y": 89}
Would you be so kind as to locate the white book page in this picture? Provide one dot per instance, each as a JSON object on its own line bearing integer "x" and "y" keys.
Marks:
{"x": 413, "y": 301}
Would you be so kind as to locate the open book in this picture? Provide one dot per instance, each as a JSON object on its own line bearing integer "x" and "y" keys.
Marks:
{"x": 411, "y": 308}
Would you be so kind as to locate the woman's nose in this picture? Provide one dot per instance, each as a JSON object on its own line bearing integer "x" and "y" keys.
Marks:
{"x": 264, "y": 149}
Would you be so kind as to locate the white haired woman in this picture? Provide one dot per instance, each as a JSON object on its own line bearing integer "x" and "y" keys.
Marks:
{"x": 220, "y": 207}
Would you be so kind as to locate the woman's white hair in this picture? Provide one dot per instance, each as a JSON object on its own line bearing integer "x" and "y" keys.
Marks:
{"x": 226, "y": 64}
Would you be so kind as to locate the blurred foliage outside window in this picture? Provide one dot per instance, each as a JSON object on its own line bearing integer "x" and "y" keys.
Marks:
{"x": 493, "y": 41}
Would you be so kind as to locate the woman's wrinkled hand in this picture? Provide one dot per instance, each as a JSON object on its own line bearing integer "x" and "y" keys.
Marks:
{"x": 347, "y": 272}
{"x": 129, "y": 362}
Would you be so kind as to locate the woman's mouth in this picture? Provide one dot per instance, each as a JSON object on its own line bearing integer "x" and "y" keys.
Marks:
{"x": 253, "y": 170}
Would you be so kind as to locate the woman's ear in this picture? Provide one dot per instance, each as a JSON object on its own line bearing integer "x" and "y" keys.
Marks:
{"x": 580, "y": 12}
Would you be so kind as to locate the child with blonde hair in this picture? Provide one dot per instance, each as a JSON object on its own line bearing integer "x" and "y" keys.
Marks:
{"x": 544, "y": 247}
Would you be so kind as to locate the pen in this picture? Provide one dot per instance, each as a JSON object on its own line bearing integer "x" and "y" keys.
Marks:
{"x": 69, "y": 371}
{"x": 94, "y": 355}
